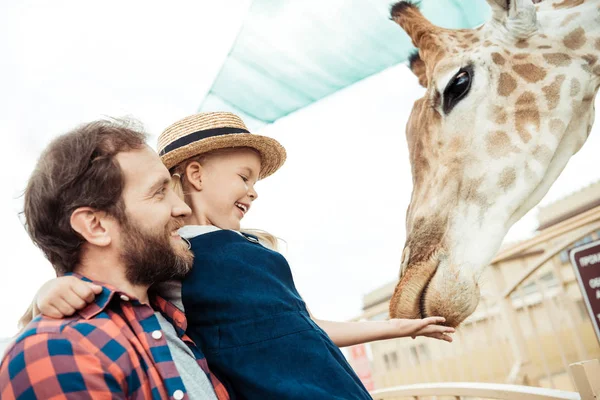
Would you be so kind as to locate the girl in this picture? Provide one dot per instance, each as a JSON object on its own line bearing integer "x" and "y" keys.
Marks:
{"x": 240, "y": 301}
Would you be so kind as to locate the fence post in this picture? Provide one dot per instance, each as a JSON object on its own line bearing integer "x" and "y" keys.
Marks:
{"x": 519, "y": 372}
{"x": 586, "y": 376}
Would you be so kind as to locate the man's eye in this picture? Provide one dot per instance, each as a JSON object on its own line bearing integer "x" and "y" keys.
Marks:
{"x": 244, "y": 178}
{"x": 161, "y": 192}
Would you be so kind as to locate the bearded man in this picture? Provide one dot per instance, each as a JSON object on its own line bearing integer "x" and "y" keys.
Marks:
{"x": 100, "y": 206}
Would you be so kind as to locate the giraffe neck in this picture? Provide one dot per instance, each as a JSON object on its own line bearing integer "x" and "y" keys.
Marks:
{"x": 576, "y": 22}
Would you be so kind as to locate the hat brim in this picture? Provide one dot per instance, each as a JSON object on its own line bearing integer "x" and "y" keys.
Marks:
{"x": 272, "y": 153}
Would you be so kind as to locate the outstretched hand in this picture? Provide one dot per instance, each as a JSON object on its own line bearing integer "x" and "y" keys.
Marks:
{"x": 422, "y": 327}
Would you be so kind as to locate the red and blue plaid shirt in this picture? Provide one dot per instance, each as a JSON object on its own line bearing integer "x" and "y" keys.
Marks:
{"x": 111, "y": 349}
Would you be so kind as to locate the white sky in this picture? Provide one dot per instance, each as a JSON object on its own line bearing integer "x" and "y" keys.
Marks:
{"x": 340, "y": 200}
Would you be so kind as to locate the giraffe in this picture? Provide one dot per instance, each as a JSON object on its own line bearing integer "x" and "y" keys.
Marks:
{"x": 506, "y": 105}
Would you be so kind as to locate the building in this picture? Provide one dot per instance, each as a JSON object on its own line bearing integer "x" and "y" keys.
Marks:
{"x": 531, "y": 322}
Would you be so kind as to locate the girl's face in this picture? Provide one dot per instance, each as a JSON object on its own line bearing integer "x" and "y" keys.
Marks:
{"x": 227, "y": 182}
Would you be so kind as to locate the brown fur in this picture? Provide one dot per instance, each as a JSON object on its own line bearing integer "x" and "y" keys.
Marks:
{"x": 500, "y": 116}
{"x": 498, "y": 59}
{"x": 557, "y": 127}
{"x": 530, "y": 72}
{"x": 568, "y": 4}
{"x": 498, "y": 144}
{"x": 552, "y": 91}
{"x": 506, "y": 84}
{"x": 507, "y": 178}
{"x": 575, "y": 87}
{"x": 575, "y": 40}
{"x": 558, "y": 59}
{"x": 526, "y": 113}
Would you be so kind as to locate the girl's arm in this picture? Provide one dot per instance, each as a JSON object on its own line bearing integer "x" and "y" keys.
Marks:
{"x": 60, "y": 297}
{"x": 350, "y": 333}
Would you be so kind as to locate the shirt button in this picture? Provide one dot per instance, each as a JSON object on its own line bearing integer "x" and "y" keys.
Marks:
{"x": 124, "y": 298}
{"x": 157, "y": 335}
{"x": 178, "y": 395}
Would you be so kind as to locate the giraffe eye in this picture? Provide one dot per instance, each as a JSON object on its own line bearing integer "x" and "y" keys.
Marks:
{"x": 458, "y": 88}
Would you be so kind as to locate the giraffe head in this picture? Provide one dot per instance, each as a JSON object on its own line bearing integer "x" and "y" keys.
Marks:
{"x": 506, "y": 106}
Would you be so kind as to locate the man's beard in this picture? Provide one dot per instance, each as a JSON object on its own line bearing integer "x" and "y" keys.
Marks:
{"x": 150, "y": 257}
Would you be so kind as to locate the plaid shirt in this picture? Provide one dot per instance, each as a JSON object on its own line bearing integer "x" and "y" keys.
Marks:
{"x": 111, "y": 349}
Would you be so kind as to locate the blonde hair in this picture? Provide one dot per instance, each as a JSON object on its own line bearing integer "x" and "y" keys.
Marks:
{"x": 180, "y": 186}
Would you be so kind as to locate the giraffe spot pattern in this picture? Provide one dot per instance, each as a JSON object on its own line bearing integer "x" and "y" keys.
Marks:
{"x": 575, "y": 87}
{"x": 526, "y": 116}
{"x": 552, "y": 91}
{"x": 498, "y": 144}
{"x": 544, "y": 47}
{"x": 500, "y": 116}
{"x": 597, "y": 45}
{"x": 557, "y": 127}
{"x": 530, "y": 72}
{"x": 590, "y": 59}
{"x": 521, "y": 56}
{"x": 570, "y": 18}
{"x": 522, "y": 44}
{"x": 586, "y": 67}
{"x": 506, "y": 84}
{"x": 558, "y": 59}
{"x": 575, "y": 40}
{"x": 507, "y": 178}
{"x": 470, "y": 192}
{"x": 567, "y": 4}
{"x": 498, "y": 59}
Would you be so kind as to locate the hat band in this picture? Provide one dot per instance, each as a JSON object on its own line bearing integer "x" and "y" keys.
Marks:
{"x": 204, "y": 134}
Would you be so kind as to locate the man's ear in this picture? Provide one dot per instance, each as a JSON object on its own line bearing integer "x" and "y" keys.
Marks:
{"x": 194, "y": 173}
{"x": 91, "y": 225}
{"x": 417, "y": 66}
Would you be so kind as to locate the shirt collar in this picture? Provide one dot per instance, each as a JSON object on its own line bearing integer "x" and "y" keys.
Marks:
{"x": 171, "y": 313}
{"x": 103, "y": 299}
{"x": 191, "y": 231}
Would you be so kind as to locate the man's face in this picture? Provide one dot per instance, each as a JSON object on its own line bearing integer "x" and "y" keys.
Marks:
{"x": 151, "y": 248}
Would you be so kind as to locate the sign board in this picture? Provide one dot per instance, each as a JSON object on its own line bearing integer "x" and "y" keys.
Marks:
{"x": 586, "y": 262}
{"x": 361, "y": 365}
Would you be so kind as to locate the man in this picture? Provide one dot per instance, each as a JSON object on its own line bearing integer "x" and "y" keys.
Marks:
{"x": 100, "y": 207}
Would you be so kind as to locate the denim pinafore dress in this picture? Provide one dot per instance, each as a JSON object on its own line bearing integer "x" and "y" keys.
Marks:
{"x": 244, "y": 311}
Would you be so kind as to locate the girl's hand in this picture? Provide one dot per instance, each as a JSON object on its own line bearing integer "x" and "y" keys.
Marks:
{"x": 61, "y": 297}
{"x": 422, "y": 327}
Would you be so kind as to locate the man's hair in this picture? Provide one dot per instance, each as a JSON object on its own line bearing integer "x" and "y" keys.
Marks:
{"x": 77, "y": 169}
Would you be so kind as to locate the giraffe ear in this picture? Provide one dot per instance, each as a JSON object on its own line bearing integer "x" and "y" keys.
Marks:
{"x": 417, "y": 66}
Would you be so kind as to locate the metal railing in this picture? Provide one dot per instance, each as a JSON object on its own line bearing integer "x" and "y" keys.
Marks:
{"x": 586, "y": 376}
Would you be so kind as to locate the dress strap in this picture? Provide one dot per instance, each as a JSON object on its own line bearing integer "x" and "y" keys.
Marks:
{"x": 251, "y": 238}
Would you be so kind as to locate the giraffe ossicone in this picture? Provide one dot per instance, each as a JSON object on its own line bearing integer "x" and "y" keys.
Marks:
{"x": 506, "y": 105}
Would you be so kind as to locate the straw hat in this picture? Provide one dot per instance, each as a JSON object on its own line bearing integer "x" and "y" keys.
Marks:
{"x": 204, "y": 132}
